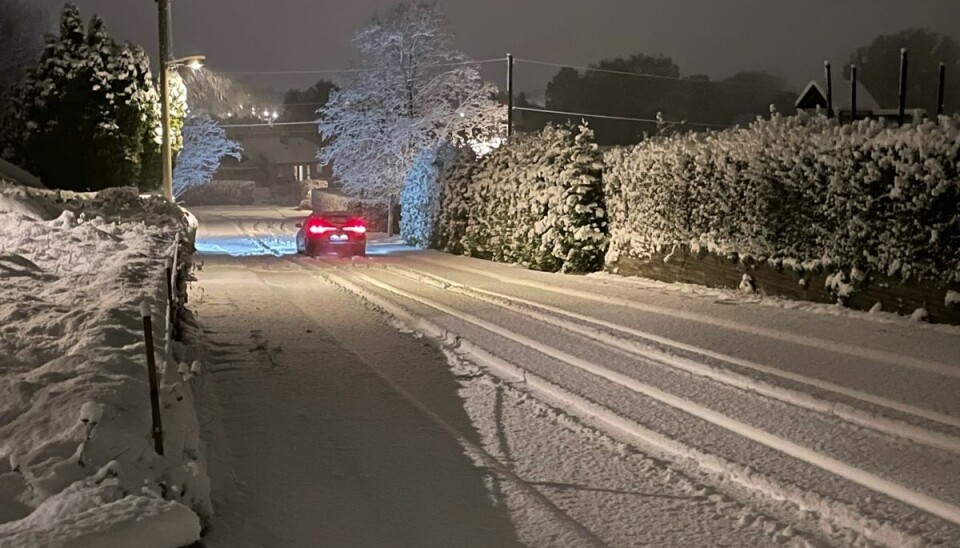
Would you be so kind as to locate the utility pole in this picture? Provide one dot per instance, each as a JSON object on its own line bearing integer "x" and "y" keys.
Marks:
{"x": 829, "y": 73}
{"x": 902, "y": 105}
{"x": 509, "y": 94}
{"x": 940, "y": 89}
{"x": 166, "y": 166}
{"x": 853, "y": 93}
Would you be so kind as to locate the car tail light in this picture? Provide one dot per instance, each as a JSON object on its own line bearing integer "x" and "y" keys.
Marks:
{"x": 356, "y": 226}
{"x": 319, "y": 226}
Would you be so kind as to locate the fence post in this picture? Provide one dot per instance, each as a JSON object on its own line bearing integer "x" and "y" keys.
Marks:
{"x": 902, "y": 105}
{"x": 509, "y": 94}
{"x": 157, "y": 427}
{"x": 170, "y": 312}
{"x": 826, "y": 68}
{"x": 941, "y": 88}
{"x": 853, "y": 93}
{"x": 173, "y": 273}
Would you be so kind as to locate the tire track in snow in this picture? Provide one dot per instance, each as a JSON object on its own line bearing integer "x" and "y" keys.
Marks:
{"x": 255, "y": 238}
{"x": 932, "y": 505}
{"x": 845, "y": 412}
{"x": 890, "y": 358}
{"x": 837, "y": 515}
{"x": 477, "y": 453}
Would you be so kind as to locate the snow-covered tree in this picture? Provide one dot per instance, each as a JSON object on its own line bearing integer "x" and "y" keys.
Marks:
{"x": 224, "y": 97}
{"x": 412, "y": 92}
{"x": 87, "y": 116}
{"x": 205, "y": 144}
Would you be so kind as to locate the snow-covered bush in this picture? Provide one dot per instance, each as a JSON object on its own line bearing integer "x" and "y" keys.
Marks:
{"x": 537, "y": 201}
{"x": 420, "y": 200}
{"x": 802, "y": 189}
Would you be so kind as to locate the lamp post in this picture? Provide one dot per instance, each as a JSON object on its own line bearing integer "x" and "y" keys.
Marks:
{"x": 163, "y": 15}
{"x": 168, "y": 64}
{"x": 195, "y": 62}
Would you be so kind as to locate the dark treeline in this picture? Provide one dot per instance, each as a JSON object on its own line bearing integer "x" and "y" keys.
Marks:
{"x": 738, "y": 99}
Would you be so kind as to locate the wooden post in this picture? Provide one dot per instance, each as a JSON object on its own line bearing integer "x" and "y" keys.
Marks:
{"x": 509, "y": 94}
{"x": 171, "y": 301}
{"x": 853, "y": 93}
{"x": 826, "y": 68}
{"x": 902, "y": 105}
{"x": 390, "y": 215}
{"x": 941, "y": 89}
{"x": 157, "y": 429}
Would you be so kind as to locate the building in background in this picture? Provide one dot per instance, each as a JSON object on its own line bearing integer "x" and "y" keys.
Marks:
{"x": 814, "y": 97}
{"x": 274, "y": 156}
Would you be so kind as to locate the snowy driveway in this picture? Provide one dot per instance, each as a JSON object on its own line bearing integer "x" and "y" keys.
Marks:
{"x": 660, "y": 415}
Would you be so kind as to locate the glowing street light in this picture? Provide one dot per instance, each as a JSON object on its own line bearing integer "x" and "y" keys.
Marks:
{"x": 195, "y": 62}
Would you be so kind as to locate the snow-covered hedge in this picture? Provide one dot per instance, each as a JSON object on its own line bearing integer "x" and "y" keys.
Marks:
{"x": 420, "y": 200}
{"x": 803, "y": 190}
{"x": 220, "y": 193}
{"x": 536, "y": 201}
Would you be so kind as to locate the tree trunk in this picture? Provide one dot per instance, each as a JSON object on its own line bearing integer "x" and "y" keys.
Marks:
{"x": 390, "y": 216}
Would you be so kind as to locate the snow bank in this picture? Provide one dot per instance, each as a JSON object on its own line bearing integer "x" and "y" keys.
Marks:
{"x": 77, "y": 465}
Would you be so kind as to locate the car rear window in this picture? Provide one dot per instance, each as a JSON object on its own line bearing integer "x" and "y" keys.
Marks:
{"x": 334, "y": 217}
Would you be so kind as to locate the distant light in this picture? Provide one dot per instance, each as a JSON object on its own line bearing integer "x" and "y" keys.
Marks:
{"x": 274, "y": 115}
{"x": 462, "y": 115}
{"x": 266, "y": 114}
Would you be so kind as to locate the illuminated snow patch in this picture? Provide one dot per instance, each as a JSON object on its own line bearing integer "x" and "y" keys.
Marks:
{"x": 240, "y": 246}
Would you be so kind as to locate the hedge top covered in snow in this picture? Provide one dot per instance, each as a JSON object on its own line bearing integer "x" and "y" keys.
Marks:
{"x": 536, "y": 201}
{"x": 869, "y": 196}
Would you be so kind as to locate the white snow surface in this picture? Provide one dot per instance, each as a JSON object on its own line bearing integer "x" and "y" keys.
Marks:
{"x": 77, "y": 465}
{"x": 595, "y": 402}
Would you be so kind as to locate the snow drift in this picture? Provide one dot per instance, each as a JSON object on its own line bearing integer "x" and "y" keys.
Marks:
{"x": 77, "y": 465}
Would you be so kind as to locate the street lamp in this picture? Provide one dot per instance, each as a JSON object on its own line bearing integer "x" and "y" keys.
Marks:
{"x": 195, "y": 62}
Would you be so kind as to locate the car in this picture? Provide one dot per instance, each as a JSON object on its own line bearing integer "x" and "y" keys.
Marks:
{"x": 332, "y": 233}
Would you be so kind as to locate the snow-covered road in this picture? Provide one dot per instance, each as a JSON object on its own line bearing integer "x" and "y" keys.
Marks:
{"x": 566, "y": 410}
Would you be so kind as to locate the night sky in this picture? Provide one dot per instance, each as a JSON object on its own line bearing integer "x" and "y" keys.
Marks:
{"x": 715, "y": 37}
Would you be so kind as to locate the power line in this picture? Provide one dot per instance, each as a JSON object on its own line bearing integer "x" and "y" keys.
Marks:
{"x": 274, "y": 124}
{"x": 626, "y": 73}
{"x": 356, "y": 70}
{"x": 624, "y": 118}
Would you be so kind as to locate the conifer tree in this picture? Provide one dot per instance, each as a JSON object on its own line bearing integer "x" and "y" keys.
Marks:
{"x": 86, "y": 117}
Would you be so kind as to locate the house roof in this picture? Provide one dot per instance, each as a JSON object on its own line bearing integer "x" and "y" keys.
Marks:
{"x": 279, "y": 149}
{"x": 815, "y": 94}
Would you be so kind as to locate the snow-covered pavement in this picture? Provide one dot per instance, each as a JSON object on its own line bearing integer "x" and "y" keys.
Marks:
{"x": 590, "y": 409}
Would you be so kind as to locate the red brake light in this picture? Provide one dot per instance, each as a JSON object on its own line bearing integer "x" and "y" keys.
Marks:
{"x": 319, "y": 225}
{"x": 357, "y": 226}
